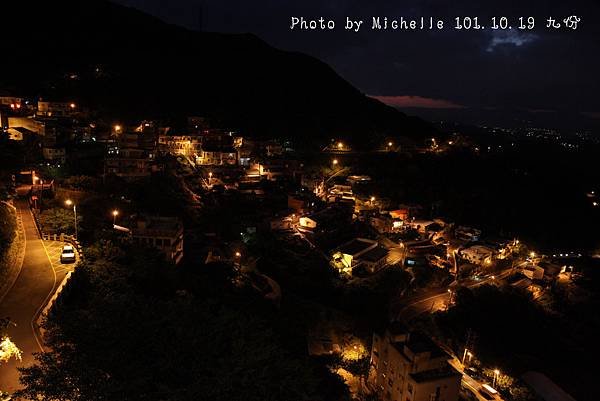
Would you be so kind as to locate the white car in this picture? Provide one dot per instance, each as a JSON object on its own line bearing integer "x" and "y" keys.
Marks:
{"x": 68, "y": 254}
{"x": 489, "y": 393}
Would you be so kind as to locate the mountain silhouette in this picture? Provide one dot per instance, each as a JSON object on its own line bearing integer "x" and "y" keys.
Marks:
{"x": 129, "y": 65}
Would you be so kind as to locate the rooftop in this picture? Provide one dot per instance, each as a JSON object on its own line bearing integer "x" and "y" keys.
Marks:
{"x": 375, "y": 254}
{"x": 355, "y": 246}
{"x": 435, "y": 374}
{"x": 156, "y": 226}
{"x": 545, "y": 388}
{"x": 419, "y": 343}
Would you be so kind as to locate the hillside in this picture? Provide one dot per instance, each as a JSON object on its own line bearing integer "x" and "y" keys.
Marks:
{"x": 131, "y": 65}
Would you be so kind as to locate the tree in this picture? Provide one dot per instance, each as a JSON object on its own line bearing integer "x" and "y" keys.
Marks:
{"x": 8, "y": 225}
{"x": 82, "y": 182}
{"x": 8, "y": 349}
{"x": 133, "y": 328}
{"x": 59, "y": 220}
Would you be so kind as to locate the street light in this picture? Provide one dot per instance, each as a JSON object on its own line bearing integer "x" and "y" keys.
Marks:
{"x": 115, "y": 213}
{"x": 69, "y": 202}
{"x": 210, "y": 174}
{"x": 334, "y": 162}
{"x": 496, "y": 375}
{"x": 340, "y": 145}
{"x": 451, "y": 293}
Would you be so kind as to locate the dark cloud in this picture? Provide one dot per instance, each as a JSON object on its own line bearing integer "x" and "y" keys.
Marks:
{"x": 537, "y": 69}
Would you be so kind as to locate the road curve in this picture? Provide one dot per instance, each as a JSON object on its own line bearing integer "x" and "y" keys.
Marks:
{"x": 25, "y": 299}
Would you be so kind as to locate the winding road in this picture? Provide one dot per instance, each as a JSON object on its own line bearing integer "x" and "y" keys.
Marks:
{"x": 25, "y": 299}
{"x": 436, "y": 300}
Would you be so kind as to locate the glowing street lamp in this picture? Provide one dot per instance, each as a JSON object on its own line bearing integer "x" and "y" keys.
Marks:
{"x": 340, "y": 145}
{"x": 450, "y": 299}
{"x": 496, "y": 375}
{"x": 118, "y": 128}
{"x": 210, "y": 174}
{"x": 334, "y": 162}
{"x": 115, "y": 213}
{"x": 465, "y": 354}
{"x": 72, "y": 105}
{"x": 69, "y": 202}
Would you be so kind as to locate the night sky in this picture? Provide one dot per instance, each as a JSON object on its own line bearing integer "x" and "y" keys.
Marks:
{"x": 541, "y": 72}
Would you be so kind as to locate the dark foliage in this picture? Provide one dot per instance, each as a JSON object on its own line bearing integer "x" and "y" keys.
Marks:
{"x": 510, "y": 331}
{"x": 130, "y": 327}
{"x": 8, "y": 225}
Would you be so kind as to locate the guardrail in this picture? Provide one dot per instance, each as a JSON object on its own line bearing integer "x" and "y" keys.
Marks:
{"x": 71, "y": 239}
{"x": 55, "y": 237}
{"x": 44, "y": 313}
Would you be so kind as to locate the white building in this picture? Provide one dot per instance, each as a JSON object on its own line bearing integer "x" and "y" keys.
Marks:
{"x": 478, "y": 254}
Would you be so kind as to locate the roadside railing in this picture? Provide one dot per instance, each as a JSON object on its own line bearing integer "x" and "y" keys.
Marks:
{"x": 69, "y": 238}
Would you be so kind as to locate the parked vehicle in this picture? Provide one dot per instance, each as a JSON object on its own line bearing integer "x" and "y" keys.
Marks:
{"x": 488, "y": 392}
{"x": 68, "y": 254}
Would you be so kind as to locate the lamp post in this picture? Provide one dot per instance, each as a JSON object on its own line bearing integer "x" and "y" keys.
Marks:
{"x": 41, "y": 188}
{"x": 451, "y": 295}
{"x": 238, "y": 259}
{"x": 69, "y": 202}
{"x": 210, "y": 174}
{"x": 115, "y": 213}
{"x": 496, "y": 374}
